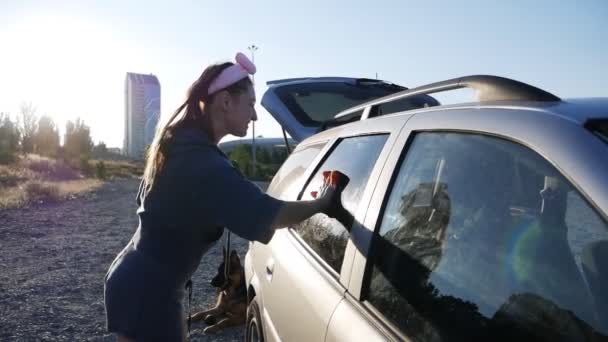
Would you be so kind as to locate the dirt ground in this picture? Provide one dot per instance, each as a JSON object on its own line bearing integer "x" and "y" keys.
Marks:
{"x": 53, "y": 258}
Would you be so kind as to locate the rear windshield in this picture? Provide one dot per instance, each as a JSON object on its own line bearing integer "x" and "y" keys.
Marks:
{"x": 313, "y": 104}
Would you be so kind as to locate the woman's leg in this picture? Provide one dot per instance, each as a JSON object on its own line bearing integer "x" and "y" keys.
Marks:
{"x": 185, "y": 337}
{"x": 122, "y": 338}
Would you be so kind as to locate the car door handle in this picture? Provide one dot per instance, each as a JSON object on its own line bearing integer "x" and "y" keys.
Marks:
{"x": 270, "y": 267}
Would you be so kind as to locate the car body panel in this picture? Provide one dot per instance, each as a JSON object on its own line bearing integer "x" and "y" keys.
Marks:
{"x": 355, "y": 322}
{"x": 298, "y": 297}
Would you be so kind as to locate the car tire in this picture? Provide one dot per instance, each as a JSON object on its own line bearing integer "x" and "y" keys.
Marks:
{"x": 254, "y": 331}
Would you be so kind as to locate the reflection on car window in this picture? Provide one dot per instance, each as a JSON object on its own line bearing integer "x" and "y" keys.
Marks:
{"x": 482, "y": 239}
{"x": 355, "y": 157}
{"x": 287, "y": 181}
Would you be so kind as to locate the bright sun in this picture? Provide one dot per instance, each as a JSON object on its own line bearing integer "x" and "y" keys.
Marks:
{"x": 66, "y": 67}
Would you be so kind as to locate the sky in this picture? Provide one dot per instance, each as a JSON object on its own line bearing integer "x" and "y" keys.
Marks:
{"x": 70, "y": 58}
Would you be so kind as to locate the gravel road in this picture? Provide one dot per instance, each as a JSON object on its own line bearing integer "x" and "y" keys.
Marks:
{"x": 53, "y": 258}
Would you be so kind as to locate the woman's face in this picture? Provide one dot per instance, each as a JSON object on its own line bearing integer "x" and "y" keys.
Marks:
{"x": 240, "y": 112}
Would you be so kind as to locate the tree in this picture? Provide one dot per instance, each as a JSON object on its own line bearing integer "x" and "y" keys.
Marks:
{"x": 263, "y": 155}
{"x": 100, "y": 151}
{"x": 46, "y": 138}
{"x": 27, "y": 126}
{"x": 278, "y": 155}
{"x": 241, "y": 155}
{"x": 9, "y": 139}
{"x": 100, "y": 170}
{"x": 101, "y": 147}
{"x": 77, "y": 142}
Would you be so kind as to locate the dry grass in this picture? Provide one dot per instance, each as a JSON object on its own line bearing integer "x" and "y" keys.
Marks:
{"x": 49, "y": 169}
{"x": 35, "y": 178}
{"x": 121, "y": 169}
{"x": 34, "y": 191}
{"x": 11, "y": 175}
{"x": 78, "y": 186}
{"x": 12, "y": 197}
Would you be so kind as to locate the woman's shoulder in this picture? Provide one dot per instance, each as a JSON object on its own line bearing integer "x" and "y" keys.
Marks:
{"x": 199, "y": 159}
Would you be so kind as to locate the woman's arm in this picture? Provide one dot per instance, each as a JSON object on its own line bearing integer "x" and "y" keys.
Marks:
{"x": 295, "y": 212}
{"x": 329, "y": 203}
{"x": 225, "y": 198}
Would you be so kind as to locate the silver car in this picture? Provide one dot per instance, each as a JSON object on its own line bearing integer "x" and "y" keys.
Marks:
{"x": 483, "y": 221}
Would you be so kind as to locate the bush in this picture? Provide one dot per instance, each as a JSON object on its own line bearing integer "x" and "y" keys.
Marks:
{"x": 11, "y": 176}
{"x": 41, "y": 191}
{"x": 7, "y": 157}
{"x": 84, "y": 166}
{"x": 49, "y": 169}
{"x": 100, "y": 170}
{"x": 120, "y": 169}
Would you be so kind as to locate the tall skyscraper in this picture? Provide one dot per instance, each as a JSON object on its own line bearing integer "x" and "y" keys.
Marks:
{"x": 142, "y": 112}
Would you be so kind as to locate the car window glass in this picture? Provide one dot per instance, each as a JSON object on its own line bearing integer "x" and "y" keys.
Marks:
{"x": 355, "y": 157}
{"x": 401, "y": 105}
{"x": 482, "y": 239}
{"x": 288, "y": 180}
{"x": 316, "y": 103}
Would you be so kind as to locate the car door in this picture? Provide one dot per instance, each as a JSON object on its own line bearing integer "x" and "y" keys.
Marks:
{"x": 306, "y": 267}
{"x": 352, "y": 320}
{"x": 305, "y": 264}
{"x": 299, "y": 283}
{"x": 480, "y": 230}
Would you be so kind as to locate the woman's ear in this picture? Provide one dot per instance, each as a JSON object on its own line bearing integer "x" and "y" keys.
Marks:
{"x": 224, "y": 100}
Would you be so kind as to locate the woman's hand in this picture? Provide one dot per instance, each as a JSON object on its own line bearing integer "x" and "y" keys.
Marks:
{"x": 327, "y": 200}
{"x": 330, "y": 193}
{"x": 327, "y": 195}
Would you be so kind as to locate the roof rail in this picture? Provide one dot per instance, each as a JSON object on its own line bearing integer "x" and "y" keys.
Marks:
{"x": 333, "y": 79}
{"x": 492, "y": 88}
{"x": 487, "y": 87}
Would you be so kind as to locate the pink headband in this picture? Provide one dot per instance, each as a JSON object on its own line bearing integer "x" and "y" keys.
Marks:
{"x": 232, "y": 74}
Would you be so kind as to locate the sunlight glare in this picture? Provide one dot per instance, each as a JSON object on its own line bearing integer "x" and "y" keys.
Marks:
{"x": 66, "y": 67}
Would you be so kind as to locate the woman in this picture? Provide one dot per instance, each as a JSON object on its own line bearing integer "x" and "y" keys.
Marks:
{"x": 189, "y": 193}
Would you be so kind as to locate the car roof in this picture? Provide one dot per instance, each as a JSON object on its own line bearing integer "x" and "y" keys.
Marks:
{"x": 492, "y": 93}
{"x": 577, "y": 111}
{"x": 493, "y": 90}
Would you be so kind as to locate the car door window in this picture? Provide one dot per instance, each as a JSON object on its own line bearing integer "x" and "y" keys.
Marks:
{"x": 483, "y": 239}
{"x": 355, "y": 157}
{"x": 288, "y": 180}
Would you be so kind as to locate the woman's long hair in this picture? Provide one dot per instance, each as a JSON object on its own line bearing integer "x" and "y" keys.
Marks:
{"x": 192, "y": 109}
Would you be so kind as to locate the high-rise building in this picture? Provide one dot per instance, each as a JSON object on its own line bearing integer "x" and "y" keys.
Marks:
{"x": 142, "y": 112}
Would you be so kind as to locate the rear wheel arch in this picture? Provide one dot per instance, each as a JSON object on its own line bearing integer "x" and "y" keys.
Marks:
{"x": 250, "y": 293}
{"x": 254, "y": 329}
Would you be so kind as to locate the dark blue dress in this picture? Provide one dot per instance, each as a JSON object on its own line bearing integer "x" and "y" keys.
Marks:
{"x": 198, "y": 194}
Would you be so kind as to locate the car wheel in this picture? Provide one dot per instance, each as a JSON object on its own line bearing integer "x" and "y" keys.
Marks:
{"x": 254, "y": 323}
